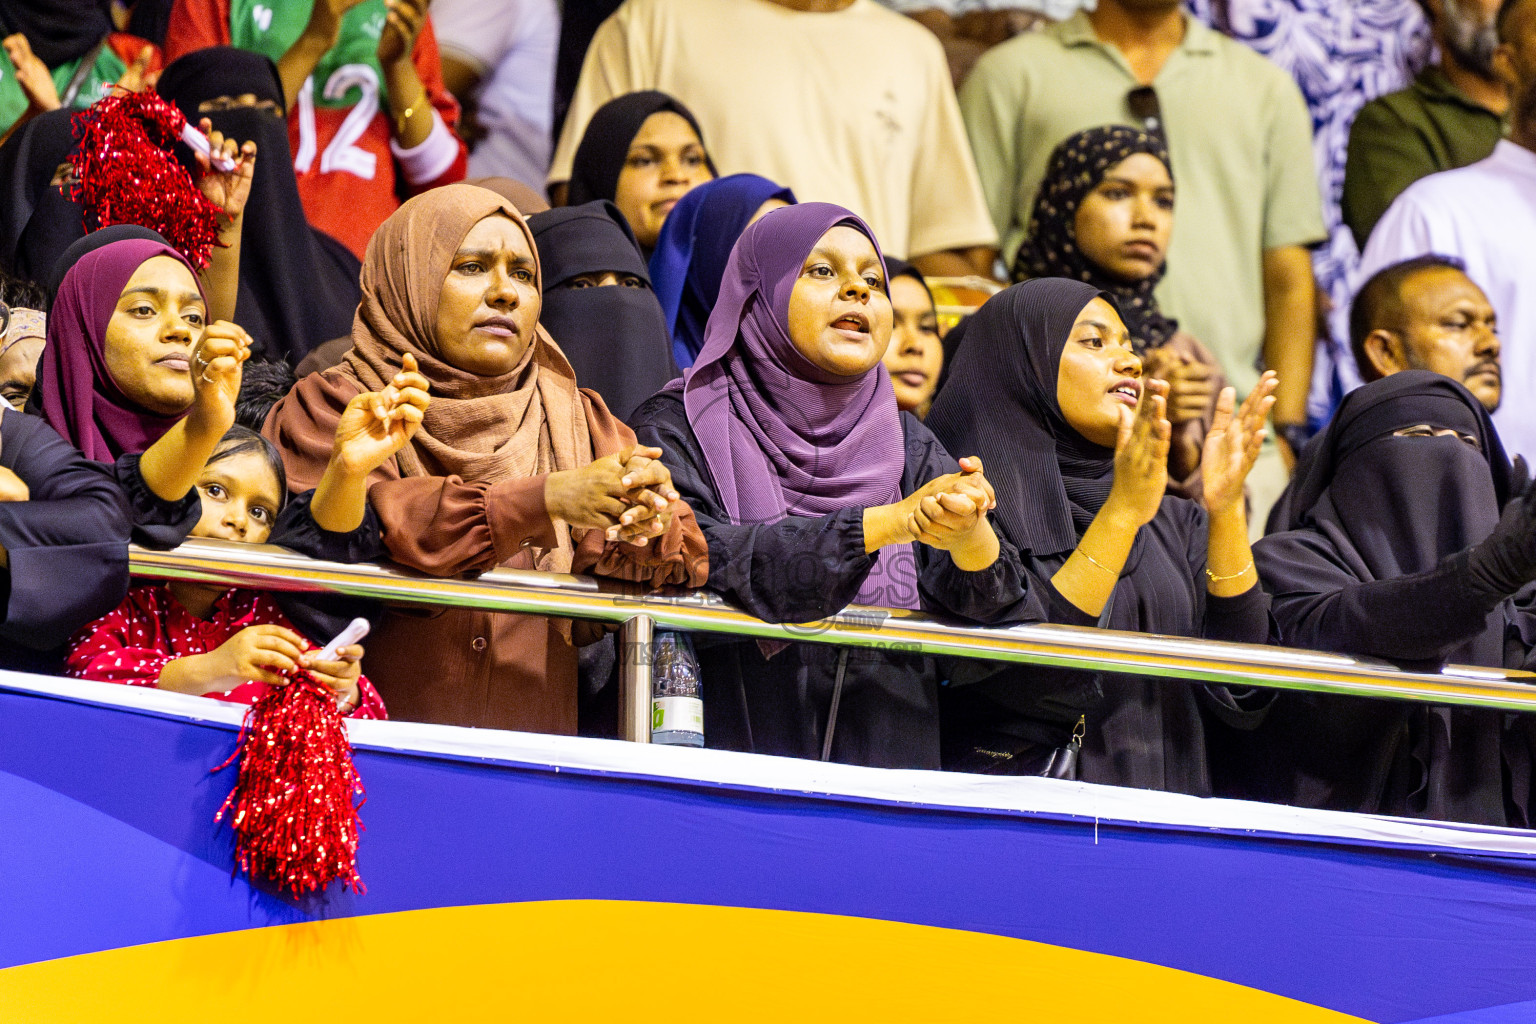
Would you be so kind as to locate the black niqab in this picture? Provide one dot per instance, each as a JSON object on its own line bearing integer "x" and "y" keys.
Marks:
{"x": 1385, "y": 507}
{"x": 615, "y": 337}
{"x": 36, "y": 222}
{"x": 58, "y": 31}
{"x": 298, "y": 286}
{"x": 604, "y": 145}
{"x": 1360, "y": 568}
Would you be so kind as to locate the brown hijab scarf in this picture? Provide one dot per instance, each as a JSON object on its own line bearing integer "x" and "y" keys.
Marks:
{"x": 525, "y": 423}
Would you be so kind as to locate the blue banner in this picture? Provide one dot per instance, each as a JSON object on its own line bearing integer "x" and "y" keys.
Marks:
{"x": 508, "y": 872}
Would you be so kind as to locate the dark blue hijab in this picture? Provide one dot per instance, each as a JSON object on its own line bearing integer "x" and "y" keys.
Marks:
{"x": 694, "y": 247}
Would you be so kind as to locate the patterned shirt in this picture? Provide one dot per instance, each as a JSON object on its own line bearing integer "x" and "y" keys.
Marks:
{"x": 133, "y": 643}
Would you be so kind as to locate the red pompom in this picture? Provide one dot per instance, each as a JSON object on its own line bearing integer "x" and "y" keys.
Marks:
{"x": 295, "y": 819}
{"x": 126, "y": 173}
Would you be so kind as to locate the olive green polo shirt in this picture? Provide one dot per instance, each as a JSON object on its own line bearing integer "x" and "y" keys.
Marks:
{"x": 1398, "y": 138}
{"x": 1239, "y": 135}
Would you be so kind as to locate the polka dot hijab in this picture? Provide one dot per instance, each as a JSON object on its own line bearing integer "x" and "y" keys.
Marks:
{"x": 1076, "y": 168}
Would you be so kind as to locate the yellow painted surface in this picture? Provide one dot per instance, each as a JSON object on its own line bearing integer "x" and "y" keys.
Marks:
{"x": 620, "y": 961}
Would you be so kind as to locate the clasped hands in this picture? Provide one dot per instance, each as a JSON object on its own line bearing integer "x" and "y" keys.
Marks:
{"x": 628, "y": 495}
{"x": 948, "y": 513}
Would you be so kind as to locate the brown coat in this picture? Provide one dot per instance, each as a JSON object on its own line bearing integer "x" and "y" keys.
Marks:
{"x": 461, "y": 667}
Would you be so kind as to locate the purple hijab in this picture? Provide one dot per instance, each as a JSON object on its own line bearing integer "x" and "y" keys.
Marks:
{"x": 80, "y": 399}
{"x": 780, "y": 435}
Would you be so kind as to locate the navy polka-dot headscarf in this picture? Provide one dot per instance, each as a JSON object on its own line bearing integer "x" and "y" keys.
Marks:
{"x": 1076, "y": 168}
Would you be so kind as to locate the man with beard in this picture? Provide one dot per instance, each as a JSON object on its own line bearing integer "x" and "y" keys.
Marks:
{"x": 1485, "y": 215}
{"x": 1449, "y": 117}
{"x": 1427, "y": 314}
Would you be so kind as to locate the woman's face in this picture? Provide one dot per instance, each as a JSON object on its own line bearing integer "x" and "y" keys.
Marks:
{"x": 1124, "y": 224}
{"x": 839, "y": 313}
{"x": 916, "y": 354}
{"x": 159, "y": 317}
{"x": 241, "y": 499}
{"x": 665, "y": 160}
{"x": 604, "y": 279}
{"x": 489, "y": 309}
{"x": 1099, "y": 375}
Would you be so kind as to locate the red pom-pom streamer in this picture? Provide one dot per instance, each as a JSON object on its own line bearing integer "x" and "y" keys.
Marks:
{"x": 126, "y": 173}
{"x": 295, "y": 818}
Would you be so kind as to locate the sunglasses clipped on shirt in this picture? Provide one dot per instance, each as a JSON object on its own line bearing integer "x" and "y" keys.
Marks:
{"x": 1147, "y": 110}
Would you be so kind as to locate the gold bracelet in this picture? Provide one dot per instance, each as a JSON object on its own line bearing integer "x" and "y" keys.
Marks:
{"x": 1098, "y": 563}
{"x": 403, "y": 118}
{"x": 1222, "y": 579}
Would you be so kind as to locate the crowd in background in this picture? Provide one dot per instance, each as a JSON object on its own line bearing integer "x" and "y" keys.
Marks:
{"x": 665, "y": 291}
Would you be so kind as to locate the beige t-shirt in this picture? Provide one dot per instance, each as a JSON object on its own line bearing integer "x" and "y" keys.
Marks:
{"x": 853, "y": 107}
{"x": 1239, "y": 135}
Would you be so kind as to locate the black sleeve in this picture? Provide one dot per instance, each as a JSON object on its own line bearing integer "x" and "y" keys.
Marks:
{"x": 67, "y": 545}
{"x": 795, "y": 570}
{"x": 322, "y": 616}
{"x": 156, "y": 523}
{"x": 1319, "y": 602}
{"x": 997, "y": 595}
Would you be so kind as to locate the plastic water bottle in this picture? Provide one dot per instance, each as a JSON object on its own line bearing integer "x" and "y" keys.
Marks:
{"x": 677, "y": 697}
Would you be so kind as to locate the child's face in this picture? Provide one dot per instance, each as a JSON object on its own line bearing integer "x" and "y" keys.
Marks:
{"x": 240, "y": 499}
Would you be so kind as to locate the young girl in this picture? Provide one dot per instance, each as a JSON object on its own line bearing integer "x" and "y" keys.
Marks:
{"x": 232, "y": 644}
{"x": 1104, "y": 215}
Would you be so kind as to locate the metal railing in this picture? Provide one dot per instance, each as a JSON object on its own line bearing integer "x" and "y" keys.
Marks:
{"x": 512, "y": 590}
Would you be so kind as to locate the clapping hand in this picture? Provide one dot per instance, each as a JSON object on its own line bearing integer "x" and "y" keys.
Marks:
{"x": 1141, "y": 456}
{"x": 31, "y": 74}
{"x": 401, "y": 27}
{"x": 1233, "y": 442}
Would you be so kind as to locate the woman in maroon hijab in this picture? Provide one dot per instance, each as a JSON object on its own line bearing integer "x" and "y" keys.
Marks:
{"x": 133, "y": 375}
{"x": 786, "y": 441}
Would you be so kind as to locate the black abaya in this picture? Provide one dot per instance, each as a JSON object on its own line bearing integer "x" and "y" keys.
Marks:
{"x": 1372, "y": 561}
{"x": 1000, "y": 403}
{"x": 803, "y": 568}
{"x": 67, "y": 545}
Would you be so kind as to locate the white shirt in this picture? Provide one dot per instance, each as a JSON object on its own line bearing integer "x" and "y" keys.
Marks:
{"x": 1056, "y": 10}
{"x": 853, "y": 107}
{"x": 512, "y": 44}
{"x": 1485, "y": 215}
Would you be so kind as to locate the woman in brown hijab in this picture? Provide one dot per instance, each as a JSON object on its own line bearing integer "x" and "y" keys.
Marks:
{"x": 512, "y": 466}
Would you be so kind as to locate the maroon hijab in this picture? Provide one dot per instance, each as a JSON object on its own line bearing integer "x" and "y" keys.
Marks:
{"x": 80, "y": 399}
{"x": 780, "y": 435}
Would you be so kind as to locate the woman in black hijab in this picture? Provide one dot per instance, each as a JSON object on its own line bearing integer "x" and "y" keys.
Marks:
{"x": 1393, "y": 546}
{"x": 1043, "y": 390}
{"x": 642, "y": 151}
{"x": 298, "y": 286}
{"x": 37, "y": 223}
{"x": 599, "y": 306}
{"x": 1104, "y": 215}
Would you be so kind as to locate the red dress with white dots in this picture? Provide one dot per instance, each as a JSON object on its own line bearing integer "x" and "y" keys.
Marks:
{"x": 133, "y": 643}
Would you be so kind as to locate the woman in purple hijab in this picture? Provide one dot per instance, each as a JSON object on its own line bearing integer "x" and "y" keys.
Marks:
{"x": 133, "y": 375}
{"x": 786, "y": 441}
